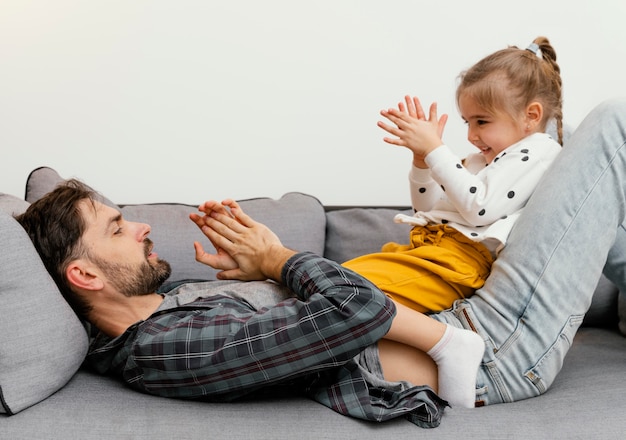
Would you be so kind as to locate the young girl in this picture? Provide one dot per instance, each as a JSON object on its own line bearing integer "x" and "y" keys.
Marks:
{"x": 464, "y": 210}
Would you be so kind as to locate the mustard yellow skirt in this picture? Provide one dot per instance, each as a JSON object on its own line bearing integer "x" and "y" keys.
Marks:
{"x": 437, "y": 267}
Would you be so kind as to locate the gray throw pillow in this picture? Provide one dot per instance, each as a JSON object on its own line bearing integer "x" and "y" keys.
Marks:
{"x": 12, "y": 205}
{"x": 43, "y": 343}
{"x": 41, "y": 181}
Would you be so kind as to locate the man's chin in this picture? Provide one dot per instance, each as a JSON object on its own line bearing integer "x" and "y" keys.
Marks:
{"x": 163, "y": 270}
{"x": 160, "y": 272}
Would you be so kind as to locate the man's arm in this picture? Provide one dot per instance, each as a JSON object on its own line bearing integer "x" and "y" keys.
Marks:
{"x": 219, "y": 348}
{"x": 222, "y": 349}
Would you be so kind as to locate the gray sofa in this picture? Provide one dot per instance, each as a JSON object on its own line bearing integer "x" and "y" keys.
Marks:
{"x": 45, "y": 393}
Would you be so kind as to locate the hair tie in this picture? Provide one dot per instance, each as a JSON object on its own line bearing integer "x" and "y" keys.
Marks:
{"x": 533, "y": 47}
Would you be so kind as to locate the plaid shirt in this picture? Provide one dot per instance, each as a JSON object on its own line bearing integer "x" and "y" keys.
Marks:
{"x": 220, "y": 348}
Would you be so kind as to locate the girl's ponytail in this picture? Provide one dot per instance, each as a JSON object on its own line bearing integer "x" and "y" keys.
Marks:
{"x": 553, "y": 72}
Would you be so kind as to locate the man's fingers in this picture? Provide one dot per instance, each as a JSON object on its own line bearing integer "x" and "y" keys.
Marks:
{"x": 220, "y": 261}
{"x": 220, "y": 229}
{"x": 196, "y": 219}
{"x": 212, "y": 205}
{"x": 204, "y": 257}
{"x": 218, "y": 238}
{"x": 238, "y": 213}
{"x": 233, "y": 274}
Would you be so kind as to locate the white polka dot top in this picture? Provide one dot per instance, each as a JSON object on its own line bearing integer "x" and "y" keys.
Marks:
{"x": 479, "y": 200}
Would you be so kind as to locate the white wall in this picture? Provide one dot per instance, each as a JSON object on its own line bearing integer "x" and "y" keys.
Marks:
{"x": 155, "y": 100}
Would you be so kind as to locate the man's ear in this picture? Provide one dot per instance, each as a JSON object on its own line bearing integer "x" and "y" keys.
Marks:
{"x": 80, "y": 274}
{"x": 534, "y": 114}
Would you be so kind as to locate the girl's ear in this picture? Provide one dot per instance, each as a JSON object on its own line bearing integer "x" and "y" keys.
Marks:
{"x": 79, "y": 274}
{"x": 534, "y": 114}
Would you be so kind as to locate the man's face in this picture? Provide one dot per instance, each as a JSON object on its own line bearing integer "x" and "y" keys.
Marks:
{"x": 122, "y": 251}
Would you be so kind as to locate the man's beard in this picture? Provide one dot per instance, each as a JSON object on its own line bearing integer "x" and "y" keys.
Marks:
{"x": 136, "y": 280}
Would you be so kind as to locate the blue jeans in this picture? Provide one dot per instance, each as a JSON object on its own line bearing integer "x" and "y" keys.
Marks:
{"x": 542, "y": 283}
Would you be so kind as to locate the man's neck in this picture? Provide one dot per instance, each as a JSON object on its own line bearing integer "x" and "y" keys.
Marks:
{"x": 114, "y": 317}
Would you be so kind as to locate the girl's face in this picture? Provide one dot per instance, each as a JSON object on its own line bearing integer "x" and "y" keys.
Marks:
{"x": 491, "y": 133}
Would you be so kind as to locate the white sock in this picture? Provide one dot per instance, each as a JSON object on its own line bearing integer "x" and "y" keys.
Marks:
{"x": 457, "y": 355}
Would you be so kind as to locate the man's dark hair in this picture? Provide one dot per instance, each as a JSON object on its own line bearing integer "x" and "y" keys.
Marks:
{"x": 55, "y": 225}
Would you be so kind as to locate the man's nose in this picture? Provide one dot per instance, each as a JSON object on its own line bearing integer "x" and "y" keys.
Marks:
{"x": 143, "y": 230}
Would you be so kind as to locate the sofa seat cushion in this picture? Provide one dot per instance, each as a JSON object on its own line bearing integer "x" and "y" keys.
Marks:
{"x": 585, "y": 402}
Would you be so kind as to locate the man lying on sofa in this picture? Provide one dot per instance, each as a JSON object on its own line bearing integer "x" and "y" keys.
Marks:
{"x": 320, "y": 334}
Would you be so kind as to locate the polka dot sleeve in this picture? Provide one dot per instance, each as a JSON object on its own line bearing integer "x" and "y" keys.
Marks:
{"x": 425, "y": 191}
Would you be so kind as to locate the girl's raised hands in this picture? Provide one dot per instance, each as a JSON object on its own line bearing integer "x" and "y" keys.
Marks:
{"x": 412, "y": 130}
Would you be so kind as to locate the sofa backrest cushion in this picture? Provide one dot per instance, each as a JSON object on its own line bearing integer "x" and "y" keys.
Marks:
{"x": 358, "y": 231}
{"x": 42, "y": 342}
{"x": 298, "y": 219}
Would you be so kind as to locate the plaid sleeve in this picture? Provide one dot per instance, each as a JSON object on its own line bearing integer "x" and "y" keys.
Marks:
{"x": 228, "y": 350}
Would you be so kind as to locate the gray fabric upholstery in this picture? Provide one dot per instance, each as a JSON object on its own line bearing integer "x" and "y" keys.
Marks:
{"x": 12, "y": 205}
{"x": 358, "y": 231}
{"x": 42, "y": 343}
{"x": 41, "y": 181}
{"x": 585, "y": 402}
{"x": 44, "y": 179}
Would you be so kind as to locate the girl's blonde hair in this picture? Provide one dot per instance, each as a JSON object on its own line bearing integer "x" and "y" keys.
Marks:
{"x": 510, "y": 79}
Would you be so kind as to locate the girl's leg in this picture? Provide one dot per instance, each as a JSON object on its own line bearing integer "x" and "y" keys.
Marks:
{"x": 542, "y": 283}
{"x": 456, "y": 354}
{"x": 437, "y": 267}
{"x": 401, "y": 362}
